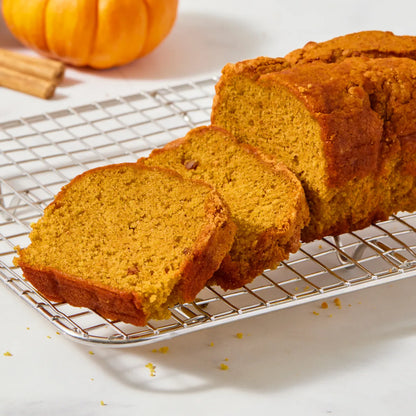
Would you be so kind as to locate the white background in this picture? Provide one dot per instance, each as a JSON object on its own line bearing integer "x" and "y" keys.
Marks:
{"x": 359, "y": 361}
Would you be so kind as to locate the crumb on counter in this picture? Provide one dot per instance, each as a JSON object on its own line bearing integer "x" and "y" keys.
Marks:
{"x": 102, "y": 403}
{"x": 223, "y": 367}
{"x": 315, "y": 313}
{"x": 163, "y": 350}
{"x": 152, "y": 369}
{"x": 90, "y": 353}
{"x": 239, "y": 335}
{"x": 8, "y": 354}
{"x": 324, "y": 305}
{"x": 337, "y": 302}
{"x": 211, "y": 344}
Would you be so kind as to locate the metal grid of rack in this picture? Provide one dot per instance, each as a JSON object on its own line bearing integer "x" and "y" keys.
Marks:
{"x": 40, "y": 154}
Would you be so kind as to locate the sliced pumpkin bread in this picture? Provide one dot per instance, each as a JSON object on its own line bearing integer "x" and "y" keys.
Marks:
{"x": 266, "y": 200}
{"x": 128, "y": 241}
{"x": 341, "y": 115}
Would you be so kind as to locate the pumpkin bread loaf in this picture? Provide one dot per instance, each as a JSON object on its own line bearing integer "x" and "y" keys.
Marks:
{"x": 346, "y": 127}
{"x": 128, "y": 241}
{"x": 266, "y": 200}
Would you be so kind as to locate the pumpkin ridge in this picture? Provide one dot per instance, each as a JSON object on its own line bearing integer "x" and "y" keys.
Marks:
{"x": 94, "y": 39}
{"x": 45, "y": 41}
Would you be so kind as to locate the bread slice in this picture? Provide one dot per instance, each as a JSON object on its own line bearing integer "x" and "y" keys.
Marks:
{"x": 266, "y": 200}
{"x": 128, "y": 241}
{"x": 344, "y": 125}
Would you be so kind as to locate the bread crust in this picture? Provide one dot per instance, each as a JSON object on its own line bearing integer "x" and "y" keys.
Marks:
{"x": 370, "y": 43}
{"x": 199, "y": 263}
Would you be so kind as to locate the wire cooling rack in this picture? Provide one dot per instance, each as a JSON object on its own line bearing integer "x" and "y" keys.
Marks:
{"x": 40, "y": 154}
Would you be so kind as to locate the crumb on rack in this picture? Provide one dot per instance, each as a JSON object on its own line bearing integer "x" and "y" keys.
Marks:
{"x": 152, "y": 369}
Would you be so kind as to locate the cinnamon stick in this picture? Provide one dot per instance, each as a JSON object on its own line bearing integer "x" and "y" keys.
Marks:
{"x": 39, "y": 67}
{"x": 26, "y": 83}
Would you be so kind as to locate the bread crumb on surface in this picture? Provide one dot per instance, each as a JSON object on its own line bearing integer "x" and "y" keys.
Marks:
{"x": 163, "y": 350}
{"x": 152, "y": 369}
{"x": 90, "y": 353}
{"x": 239, "y": 335}
{"x": 102, "y": 403}
{"x": 223, "y": 367}
{"x": 337, "y": 302}
{"x": 324, "y": 305}
{"x": 211, "y": 344}
{"x": 315, "y": 313}
{"x": 8, "y": 354}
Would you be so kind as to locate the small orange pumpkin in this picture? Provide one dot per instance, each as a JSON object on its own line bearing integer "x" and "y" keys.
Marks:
{"x": 95, "y": 33}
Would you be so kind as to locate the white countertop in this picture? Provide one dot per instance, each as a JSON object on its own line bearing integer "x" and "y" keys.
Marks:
{"x": 354, "y": 360}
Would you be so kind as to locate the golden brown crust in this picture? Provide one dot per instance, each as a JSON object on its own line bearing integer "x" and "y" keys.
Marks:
{"x": 372, "y": 44}
{"x": 61, "y": 287}
{"x": 199, "y": 263}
